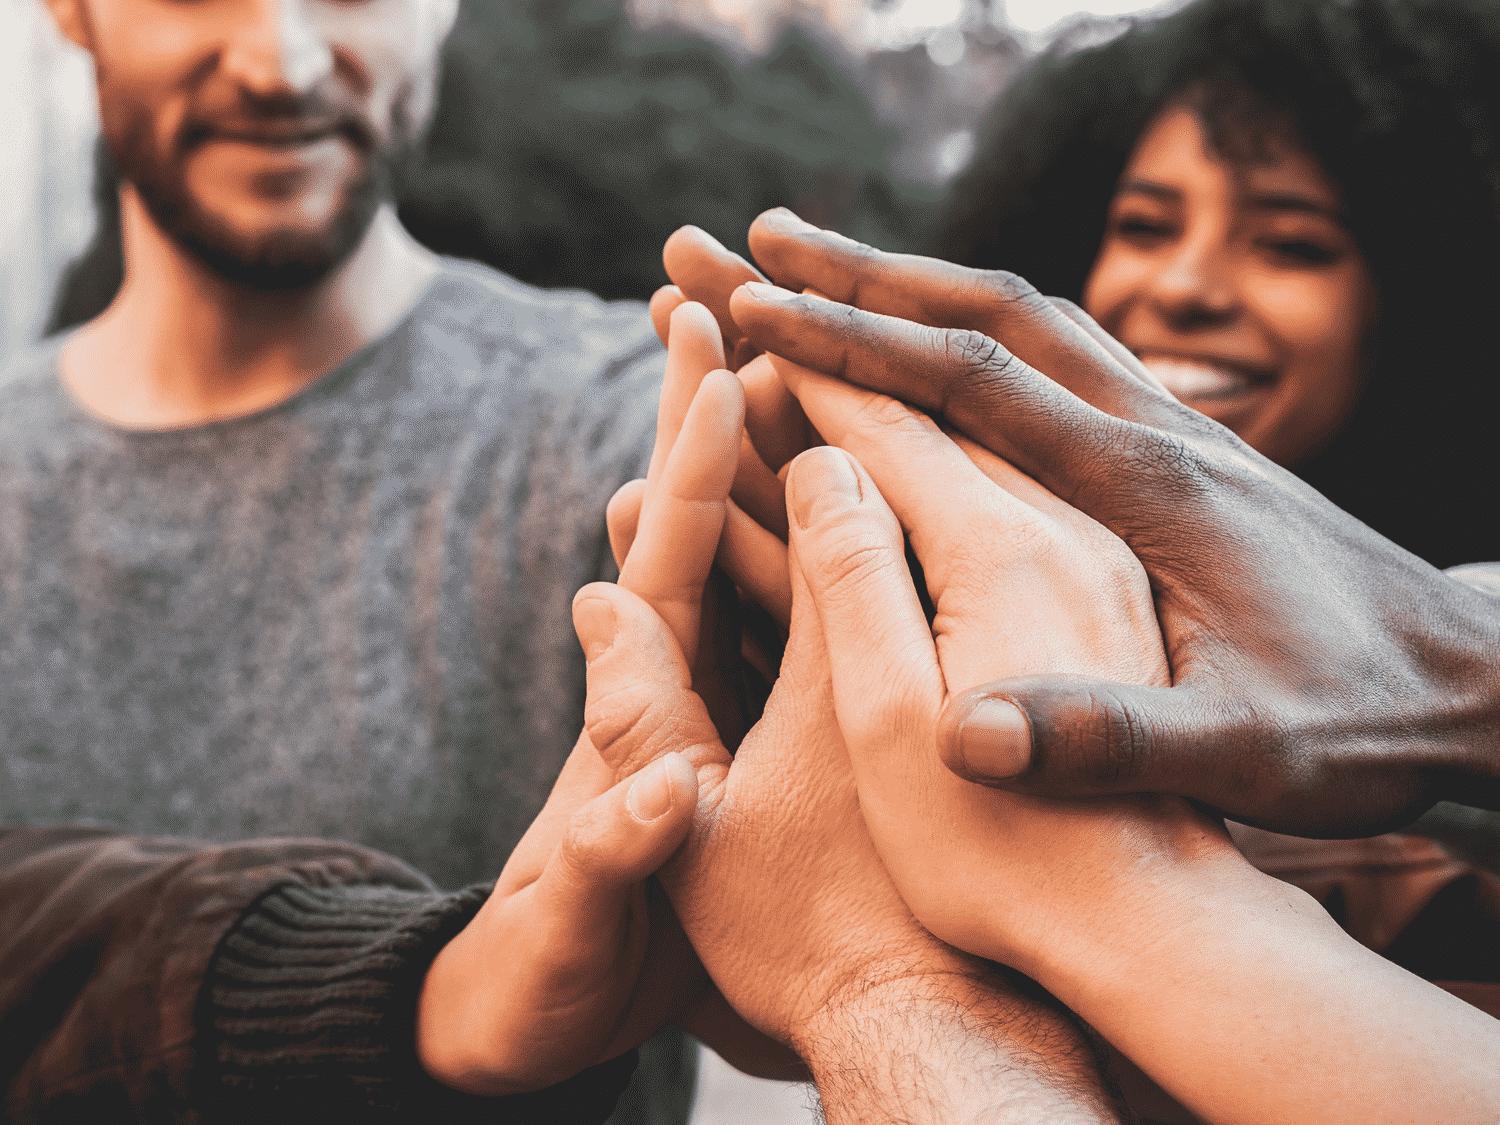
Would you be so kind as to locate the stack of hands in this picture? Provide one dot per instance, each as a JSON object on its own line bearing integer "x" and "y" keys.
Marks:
{"x": 1123, "y": 624}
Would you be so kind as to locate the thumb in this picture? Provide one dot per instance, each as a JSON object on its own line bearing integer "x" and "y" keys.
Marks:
{"x": 1074, "y": 736}
{"x": 536, "y": 986}
{"x": 619, "y": 838}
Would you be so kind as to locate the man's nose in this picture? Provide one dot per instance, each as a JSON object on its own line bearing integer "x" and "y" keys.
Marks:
{"x": 1196, "y": 286}
{"x": 277, "y": 47}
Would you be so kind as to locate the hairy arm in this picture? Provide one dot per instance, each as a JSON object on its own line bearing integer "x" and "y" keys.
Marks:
{"x": 952, "y": 1049}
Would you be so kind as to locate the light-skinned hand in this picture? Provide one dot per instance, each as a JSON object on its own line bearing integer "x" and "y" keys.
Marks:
{"x": 787, "y": 903}
{"x": 1235, "y": 992}
{"x": 575, "y": 958}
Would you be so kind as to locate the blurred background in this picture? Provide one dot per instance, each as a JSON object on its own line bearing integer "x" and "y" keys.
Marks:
{"x": 574, "y": 135}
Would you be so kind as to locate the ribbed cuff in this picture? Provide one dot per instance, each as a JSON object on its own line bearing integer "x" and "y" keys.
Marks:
{"x": 308, "y": 1014}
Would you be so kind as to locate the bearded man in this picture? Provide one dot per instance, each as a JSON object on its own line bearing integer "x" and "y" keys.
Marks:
{"x": 290, "y": 532}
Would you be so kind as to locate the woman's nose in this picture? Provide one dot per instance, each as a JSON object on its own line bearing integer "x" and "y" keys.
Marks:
{"x": 1195, "y": 288}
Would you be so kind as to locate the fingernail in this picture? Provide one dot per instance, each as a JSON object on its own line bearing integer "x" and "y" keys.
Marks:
{"x": 995, "y": 740}
{"x": 823, "y": 484}
{"x": 650, "y": 794}
{"x": 594, "y": 621}
{"x": 763, "y": 292}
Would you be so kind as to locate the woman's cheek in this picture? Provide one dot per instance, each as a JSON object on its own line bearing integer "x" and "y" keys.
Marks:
{"x": 1319, "y": 325}
{"x": 1118, "y": 276}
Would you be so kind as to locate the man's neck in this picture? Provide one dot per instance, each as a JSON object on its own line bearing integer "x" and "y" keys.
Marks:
{"x": 180, "y": 346}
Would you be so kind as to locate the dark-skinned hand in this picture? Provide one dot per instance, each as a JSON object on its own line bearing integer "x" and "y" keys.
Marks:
{"x": 1324, "y": 681}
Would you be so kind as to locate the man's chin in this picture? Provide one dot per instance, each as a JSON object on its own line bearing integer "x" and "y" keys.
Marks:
{"x": 275, "y": 260}
{"x": 281, "y": 262}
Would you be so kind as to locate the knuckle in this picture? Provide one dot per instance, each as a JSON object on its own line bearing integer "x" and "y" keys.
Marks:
{"x": 589, "y": 853}
{"x": 1124, "y": 752}
{"x": 635, "y": 724}
{"x": 848, "y": 563}
{"x": 982, "y": 370}
{"x": 973, "y": 351}
{"x": 859, "y": 253}
{"x": 886, "y": 721}
{"x": 1100, "y": 744}
{"x": 882, "y": 413}
{"x": 618, "y": 720}
{"x": 1009, "y": 289}
{"x": 1181, "y": 470}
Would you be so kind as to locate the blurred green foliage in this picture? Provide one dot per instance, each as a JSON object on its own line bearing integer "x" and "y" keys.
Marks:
{"x": 568, "y": 145}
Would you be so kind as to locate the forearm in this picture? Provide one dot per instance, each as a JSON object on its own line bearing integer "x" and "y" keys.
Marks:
{"x": 1243, "y": 999}
{"x": 953, "y": 1049}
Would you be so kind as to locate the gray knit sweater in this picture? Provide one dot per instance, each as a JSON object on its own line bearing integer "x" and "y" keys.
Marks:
{"x": 346, "y": 616}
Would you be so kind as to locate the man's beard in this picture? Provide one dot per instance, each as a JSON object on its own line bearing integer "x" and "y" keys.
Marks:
{"x": 284, "y": 260}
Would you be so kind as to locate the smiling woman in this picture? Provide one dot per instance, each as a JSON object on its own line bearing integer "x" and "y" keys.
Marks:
{"x": 1287, "y": 209}
{"x": 1238, "y": 284}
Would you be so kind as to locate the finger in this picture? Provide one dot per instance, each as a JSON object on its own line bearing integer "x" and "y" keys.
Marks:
{"x": 755, "y": 561}
{"x": 684, "y": 513}
{"x": 847, "y": 545}
{"x": 622, "y": 517}
{"x": 778, "y": 429}
{"x": 931, "y": 292}
{"x": 574, "y": 938}
{"x": 992, "y": 396}
{"x": 619, "y": 838}
{"x": 583, "y": 777}
{"x": 907, "y": 455}
{"x": 1076, "y": 736}
{"x": 1121, "y": 354}
{"x": 706, "y": 272}
{"x": 758, "y": 491}
{"x": 664, "y": 302}
{"x": 694, "y": 349}
{"x": 640, "y": 705}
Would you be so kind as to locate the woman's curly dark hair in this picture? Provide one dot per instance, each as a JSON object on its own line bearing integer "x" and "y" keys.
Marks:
{"x": 1399, "y": 101}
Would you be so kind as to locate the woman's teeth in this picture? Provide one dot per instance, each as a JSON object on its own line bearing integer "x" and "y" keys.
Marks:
{"x": 1192, "y": 378}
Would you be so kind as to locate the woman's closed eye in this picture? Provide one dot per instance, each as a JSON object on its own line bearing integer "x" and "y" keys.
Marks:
{"x": 1144, "y": 229}
{"x": 1300, "y": 252}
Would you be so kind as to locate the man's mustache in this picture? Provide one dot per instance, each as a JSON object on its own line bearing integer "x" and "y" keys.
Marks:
{"x": 280, "y": 121}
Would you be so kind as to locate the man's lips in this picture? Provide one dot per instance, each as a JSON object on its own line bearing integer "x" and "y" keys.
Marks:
{"x": 1203, "y": 377}
{"x": 282, "y": 133}
{"x": 275, "y": 138}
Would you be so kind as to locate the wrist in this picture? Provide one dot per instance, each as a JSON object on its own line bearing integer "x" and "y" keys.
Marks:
{"x": 1147, "y": 864}
{"x": 1146, "y": 932}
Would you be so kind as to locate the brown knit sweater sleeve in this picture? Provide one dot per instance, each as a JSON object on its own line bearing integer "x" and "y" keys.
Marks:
{"x": 152, "y": 980}
{"x": 309, "y": 1014}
